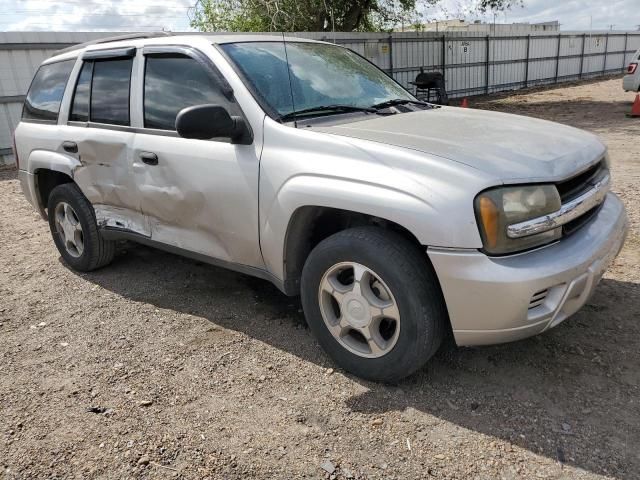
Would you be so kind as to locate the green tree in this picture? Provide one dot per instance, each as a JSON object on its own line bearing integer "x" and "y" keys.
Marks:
{"x": 314, "y": 15}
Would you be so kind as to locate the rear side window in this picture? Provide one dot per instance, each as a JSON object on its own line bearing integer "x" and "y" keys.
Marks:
{"x": 110, "y": 91}
{"x": 80, "y": 105}
{"x": 45, "y": 94}
{"x": 173, "y": 82}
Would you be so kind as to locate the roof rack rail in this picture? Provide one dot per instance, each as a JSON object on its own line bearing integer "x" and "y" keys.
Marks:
{"x": 128, "y": 36}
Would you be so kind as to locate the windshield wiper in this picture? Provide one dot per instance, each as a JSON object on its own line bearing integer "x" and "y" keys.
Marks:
{"x": 397, "y": 101}
{"x": 326, "y": 108}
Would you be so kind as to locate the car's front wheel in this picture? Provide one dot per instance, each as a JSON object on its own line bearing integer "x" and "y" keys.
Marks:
{"x": 74, "y": 229}
{"x": 373, "y": 301}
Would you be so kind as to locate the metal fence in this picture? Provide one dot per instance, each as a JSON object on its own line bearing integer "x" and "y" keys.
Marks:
{"x": 476, "y": 63}
{"x": 472, "y": 62}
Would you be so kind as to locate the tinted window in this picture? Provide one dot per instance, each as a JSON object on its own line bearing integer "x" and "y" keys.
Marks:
{"x": 45, "y": 94}
{"x": 110, "y": 91}
{"x": 80, "y": 106}
{"x": 173, "y": 82}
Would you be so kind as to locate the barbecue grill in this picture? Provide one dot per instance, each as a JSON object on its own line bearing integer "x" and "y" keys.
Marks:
{"x": 429, "y": 87}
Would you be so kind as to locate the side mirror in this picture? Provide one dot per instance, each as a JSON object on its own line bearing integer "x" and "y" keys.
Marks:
{"x": 204, "y": 122}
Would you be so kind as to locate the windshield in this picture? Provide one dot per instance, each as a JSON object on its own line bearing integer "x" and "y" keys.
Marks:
{"x": 321, "y": 75}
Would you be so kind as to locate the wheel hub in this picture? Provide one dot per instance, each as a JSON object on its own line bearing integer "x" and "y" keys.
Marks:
{"x": 69, "y": 228}
{"x": 356, "y": 311}
{"x": 359, "y": 309}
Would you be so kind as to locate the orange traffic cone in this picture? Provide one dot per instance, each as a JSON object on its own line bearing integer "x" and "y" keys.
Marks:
{"x": 465, "y": 103}
{"x": 635, "y": 108}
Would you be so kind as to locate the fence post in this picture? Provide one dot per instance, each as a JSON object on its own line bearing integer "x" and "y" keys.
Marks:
{"x": 390, "y": 40}
{"x": 624, "y": 54}
{"x": 606, "y": 47}
{"x": 558, "y": 58}
{"x": 526, "y": 67}
{"x": 486, "y": 65}
{"x": 444, "y": 57}
{"x": 584, "y": 44}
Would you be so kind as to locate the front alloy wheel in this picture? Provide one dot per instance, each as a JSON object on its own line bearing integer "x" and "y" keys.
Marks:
{"x": 374, "y": 303}
{"x": 359, "y": 309}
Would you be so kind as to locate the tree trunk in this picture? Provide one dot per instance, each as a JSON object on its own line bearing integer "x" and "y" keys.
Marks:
{"x": 355, "y": 14}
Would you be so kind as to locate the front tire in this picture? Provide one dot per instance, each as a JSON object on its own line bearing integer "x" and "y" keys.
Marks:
{"x": 73, "y": 225}
{"x": 374, "y": 303}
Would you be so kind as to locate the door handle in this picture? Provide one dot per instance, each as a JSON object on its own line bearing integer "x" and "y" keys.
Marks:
{"x": 149, "y": 158}
{"x": 71, "y": 147}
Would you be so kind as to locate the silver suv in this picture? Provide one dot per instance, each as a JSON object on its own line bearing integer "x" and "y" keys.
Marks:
{"x": 302, "y": 163}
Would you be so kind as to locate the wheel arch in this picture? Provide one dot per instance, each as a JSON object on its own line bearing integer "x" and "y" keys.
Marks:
{"x": 50, "y": 169}
{"x": 45, "y": 181}
{"x": 310, "y": 224}
{"x": 302, "y": 200}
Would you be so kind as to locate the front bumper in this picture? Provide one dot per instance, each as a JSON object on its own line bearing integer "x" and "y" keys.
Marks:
{"x": 500, "y": 299}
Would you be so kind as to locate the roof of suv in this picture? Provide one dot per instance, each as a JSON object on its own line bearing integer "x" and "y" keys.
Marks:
{"x": 161, "y": 38}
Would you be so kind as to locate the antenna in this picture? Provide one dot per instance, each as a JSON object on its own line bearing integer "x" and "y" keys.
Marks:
{"x": 286, "y": 57}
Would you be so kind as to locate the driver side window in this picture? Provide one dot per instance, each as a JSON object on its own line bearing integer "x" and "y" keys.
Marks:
{"x": 173, "y": 82}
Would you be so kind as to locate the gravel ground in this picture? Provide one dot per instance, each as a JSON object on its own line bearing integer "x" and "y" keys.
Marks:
{"x": 162, "y": 367}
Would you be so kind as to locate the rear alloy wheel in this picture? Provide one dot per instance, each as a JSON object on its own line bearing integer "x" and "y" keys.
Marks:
{"x": 72, "y": 221}
{"x": 373, "y": 301}
{"x": 69, "y": 229}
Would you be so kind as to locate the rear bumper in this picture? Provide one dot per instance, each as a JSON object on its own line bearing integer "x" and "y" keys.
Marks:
{"x": 29, "y": 189}
{"x": 501, "y": 299}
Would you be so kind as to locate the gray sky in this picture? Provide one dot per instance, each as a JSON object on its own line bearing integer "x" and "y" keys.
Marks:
{"x": 572, "y": 14}
{"x": 86, "y": 15}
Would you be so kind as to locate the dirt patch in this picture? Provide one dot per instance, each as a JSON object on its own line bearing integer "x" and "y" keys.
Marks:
{"x": 161, "y": 367}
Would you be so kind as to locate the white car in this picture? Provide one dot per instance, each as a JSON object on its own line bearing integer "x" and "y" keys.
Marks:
{"x": 302, "y": 163}
{"x": 631, "y": 81}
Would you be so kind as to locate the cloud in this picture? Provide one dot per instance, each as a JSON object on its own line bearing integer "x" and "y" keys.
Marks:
{"x": 92, "y": 15}
{"x": 572, "y": 14}
{"x": 127, "y": 15}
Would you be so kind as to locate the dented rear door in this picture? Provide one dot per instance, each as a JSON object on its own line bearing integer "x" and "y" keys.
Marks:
{"x": 99, "y": 127}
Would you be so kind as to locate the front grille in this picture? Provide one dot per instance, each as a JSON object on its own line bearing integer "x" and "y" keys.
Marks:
{"x": 572, "y": 226}
{"x": 574, "y": 186}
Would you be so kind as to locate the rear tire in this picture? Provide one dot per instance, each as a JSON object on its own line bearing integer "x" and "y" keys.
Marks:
{"x": 73, "y": 225}
{"x": 398, "y": 288}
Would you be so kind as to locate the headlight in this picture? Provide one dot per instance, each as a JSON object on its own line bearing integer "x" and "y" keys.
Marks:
{"x": 498, "y": 208}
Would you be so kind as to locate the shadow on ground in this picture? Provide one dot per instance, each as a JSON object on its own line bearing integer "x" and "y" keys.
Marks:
{"x": 561, "y": 395}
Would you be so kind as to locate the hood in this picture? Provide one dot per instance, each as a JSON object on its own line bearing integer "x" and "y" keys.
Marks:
{"x": 509, "y": 147}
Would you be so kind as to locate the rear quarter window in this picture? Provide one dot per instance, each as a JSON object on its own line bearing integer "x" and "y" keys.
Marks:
{"x": 46, "y": 91}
